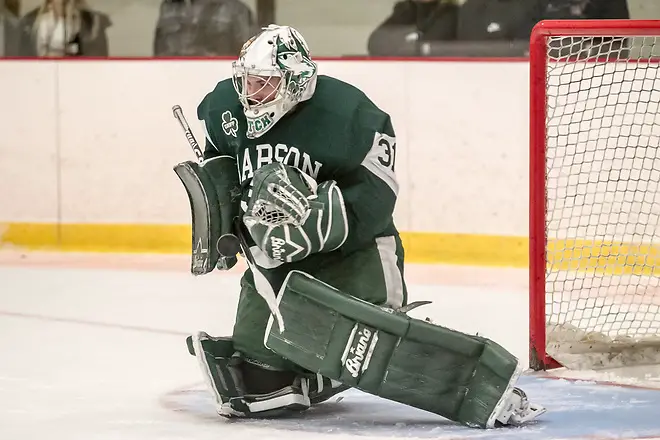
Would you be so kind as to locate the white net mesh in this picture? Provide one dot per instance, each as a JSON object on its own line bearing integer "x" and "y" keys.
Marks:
{"x": 603, "y": 201}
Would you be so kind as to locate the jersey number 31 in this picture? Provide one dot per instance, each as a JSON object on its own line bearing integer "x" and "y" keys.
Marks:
{"x": 387, "y": 147}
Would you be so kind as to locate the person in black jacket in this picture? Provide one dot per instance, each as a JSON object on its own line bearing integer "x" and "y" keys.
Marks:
{"x": 589, "y": 9}
{"x": 498, "y": 20}
{"x": 202, "y": 28}
{"x": 607, "y": 9}
{"x": 412, "y": 23}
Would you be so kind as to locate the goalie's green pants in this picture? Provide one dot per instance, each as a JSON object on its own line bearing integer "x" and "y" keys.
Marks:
{"x": 373, "y": 273}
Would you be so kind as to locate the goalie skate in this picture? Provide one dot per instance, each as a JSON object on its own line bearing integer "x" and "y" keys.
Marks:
{"x": 517, "y": 409}
{"x": 321, "y": 388}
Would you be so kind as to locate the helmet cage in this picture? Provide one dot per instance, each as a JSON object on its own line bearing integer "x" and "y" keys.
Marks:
{"x": 248, "y": 101}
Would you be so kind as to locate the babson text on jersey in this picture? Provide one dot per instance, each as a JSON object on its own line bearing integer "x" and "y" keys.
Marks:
{"x": 263, "y": 154}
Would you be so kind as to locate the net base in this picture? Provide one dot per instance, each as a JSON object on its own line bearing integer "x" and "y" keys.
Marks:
{"x": 581, "y": 350}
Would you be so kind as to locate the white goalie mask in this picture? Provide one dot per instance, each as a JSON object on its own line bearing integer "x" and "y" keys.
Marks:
{"x": 273, "y": 73}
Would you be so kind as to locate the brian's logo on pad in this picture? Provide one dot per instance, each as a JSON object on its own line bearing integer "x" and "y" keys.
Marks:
{"x": 279, "y": 250}
{"x": 359, "y": 349}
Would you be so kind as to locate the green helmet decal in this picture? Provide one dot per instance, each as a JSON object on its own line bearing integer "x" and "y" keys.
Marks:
{"x": 292, "y": 56}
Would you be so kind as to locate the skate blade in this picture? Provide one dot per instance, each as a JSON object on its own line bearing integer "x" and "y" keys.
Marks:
{"x": 534, "y": 412}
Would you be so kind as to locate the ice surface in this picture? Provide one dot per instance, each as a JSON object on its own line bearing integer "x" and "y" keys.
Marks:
{"x": 93, "y": 353}
{"x": 578, "y": 409}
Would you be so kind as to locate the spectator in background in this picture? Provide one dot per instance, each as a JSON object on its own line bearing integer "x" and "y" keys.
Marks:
{"x": 9, "y": 30}
{"x": 588, "y": 9}
{"x": 606, "y": 9}
{"x": 592, "y": 9}
{"x": 412, "y": 23}
{"x": 498, "y": 20}
{"x": 202, "y": 28}
{"x": 62, "y": 28}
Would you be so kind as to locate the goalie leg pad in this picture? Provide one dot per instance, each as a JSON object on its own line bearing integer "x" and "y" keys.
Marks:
{"x": 214, "y": 195}
{"x": 387, "y": 353}
{"x": 243, "y": 389}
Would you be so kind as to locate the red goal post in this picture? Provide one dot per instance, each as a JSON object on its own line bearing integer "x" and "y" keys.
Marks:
{"x": 594, "y": 176}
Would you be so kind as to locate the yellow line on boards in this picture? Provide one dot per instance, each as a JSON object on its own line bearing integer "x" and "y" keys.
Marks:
{"x": 420, "y": 247}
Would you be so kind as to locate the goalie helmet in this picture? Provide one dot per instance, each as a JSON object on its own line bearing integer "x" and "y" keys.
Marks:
{"x": 273, "y": 73}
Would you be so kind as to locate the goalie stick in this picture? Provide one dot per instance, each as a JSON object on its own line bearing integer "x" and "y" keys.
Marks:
{"x": 229, "y": 244}
{"x": 177, "y": 111}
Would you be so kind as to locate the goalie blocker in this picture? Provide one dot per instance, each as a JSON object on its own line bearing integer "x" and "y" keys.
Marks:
{"x": 468, "y": 379}
{"x": 214, "y": 194}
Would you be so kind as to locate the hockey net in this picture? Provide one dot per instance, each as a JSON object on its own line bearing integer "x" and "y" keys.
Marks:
{"x": 595, "y": 194}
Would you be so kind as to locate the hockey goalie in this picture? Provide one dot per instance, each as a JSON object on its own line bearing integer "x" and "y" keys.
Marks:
{"x": 302, "y": 166}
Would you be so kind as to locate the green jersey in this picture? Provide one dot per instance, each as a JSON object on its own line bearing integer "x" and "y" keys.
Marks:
{"x": 338, "y": 134}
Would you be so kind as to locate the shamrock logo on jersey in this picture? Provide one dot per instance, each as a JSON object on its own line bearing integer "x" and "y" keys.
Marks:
{"x": 229, "y": 124}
